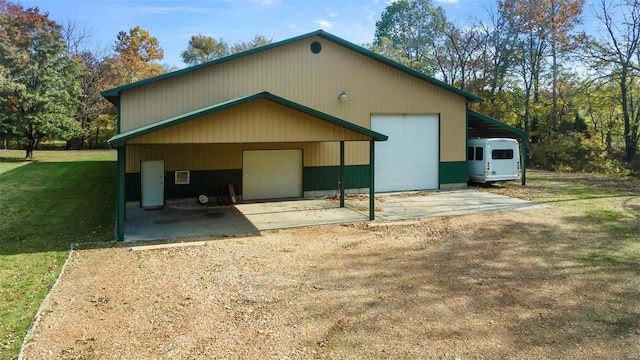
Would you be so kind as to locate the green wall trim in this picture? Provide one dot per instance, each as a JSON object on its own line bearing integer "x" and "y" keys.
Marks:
{"x": 327, "y": 177}
{"x": 453, "y": 172}
{"x": 214, "y": 182}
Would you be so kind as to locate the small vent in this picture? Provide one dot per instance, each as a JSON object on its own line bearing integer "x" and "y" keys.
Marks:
{"x": 315, "y": 47}
{"x": 182, "y": 177}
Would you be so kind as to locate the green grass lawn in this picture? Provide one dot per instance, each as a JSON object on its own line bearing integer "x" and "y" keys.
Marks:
{"x": 59, "y": 198}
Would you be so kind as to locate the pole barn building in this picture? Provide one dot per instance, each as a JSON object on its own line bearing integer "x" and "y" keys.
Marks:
{"x": 298, "y": 118}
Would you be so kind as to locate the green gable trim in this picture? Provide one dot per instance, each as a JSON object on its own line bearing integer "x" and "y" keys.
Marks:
{"x": 113, "y": 94}
{"x": 120, "y": 139}
{"x": 453, "y": 172}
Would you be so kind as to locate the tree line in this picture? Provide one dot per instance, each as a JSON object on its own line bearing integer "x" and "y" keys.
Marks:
{"x": 576, "y": 94}
{"x": 50, "y": 83}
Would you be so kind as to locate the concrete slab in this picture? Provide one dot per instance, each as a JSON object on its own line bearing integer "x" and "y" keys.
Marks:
{"x": 401, "y": 206}
{"x": 200, "y": 220}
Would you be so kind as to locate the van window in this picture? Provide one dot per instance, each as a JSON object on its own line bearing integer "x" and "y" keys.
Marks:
{"x": 470, "y": 153}
{"x": 479, "y": 153}
{"x": 503, "y": 154}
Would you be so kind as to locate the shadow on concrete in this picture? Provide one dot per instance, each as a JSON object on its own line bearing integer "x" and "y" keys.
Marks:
{"x": 185, "y": 221}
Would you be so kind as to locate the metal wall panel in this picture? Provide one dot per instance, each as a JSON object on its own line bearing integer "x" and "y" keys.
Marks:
{"x": 229, "y": 156}
{"x": 258, "y": 121}
{"x": 293, "y": 72}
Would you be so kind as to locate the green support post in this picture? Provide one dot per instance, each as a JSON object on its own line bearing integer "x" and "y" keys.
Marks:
{"x": 524, "y": 154}
{"x": 341, "y": 174}
{"x": 372, "y": 191}
{"x": 120, "y": 199}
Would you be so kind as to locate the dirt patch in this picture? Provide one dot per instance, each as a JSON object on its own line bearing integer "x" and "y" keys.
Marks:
{"x": 492, "y": 286}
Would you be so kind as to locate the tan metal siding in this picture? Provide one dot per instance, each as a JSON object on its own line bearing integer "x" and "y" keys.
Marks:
{"x": 229, "y": 156}
{"x": 258, "y": 121}
{"x": 315, "y": 80}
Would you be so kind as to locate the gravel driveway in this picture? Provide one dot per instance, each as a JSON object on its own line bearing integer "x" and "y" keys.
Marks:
{"x": 493, "y": 286}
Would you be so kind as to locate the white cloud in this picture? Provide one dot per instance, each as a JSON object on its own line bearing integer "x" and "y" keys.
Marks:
{"x": 323, "y": 23}
{"x": 448, "y": 1}
{"x": 332, "y": 15}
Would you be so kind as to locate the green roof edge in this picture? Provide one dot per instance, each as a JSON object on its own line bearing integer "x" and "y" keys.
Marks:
{"x": 114, "y": 93}
{"x": 120, "y": 139}
{"x": 499, "y": 123}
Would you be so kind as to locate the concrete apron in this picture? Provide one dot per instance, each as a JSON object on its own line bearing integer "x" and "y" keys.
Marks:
{"x": 203, "y": 220}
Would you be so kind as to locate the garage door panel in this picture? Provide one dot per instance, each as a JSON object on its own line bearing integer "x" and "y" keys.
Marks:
{"x": 409, "y": 159}
{"x": 271, "y": 174}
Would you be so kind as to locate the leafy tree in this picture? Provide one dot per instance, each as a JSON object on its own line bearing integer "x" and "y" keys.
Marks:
{"x": 138, "y": 52}
{"x": 415, "y": 29}
{"x": 203, "y": 48}
{"x": 257, "y": 41}
{"x": 38, "y": 83}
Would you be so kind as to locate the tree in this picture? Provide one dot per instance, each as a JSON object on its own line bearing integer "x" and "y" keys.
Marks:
{"x": 38, "y": 83}
{"x": 458, "y": 57}
{"x": 564, "y": 16}
{"x": 415, "y": 29}
{"x": 258, "y": 41}
{"x": 203, "y": 48}
{"x": 619, "y": 49}
{"x": 138, "y": 52}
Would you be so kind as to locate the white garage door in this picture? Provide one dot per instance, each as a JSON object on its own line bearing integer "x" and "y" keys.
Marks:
{"x": 271, "y": 174}
{"x": 409, "y": 159}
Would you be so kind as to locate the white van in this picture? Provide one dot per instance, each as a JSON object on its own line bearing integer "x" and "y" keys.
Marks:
{"x": 493, "y": 159}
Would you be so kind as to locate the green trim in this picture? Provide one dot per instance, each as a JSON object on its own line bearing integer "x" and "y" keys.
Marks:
{"x": 495, "y": 122}
{"x": 453, "y": 172}
{"x": 113, "y": 94}
{"x": 316, "y": 178}
{"x": 341, "y": 182}
{"x": 121, "y": 139}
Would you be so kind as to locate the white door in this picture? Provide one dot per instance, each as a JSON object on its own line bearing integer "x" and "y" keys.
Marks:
{"x": 409, "y": 160}
{"x": 152, "y": 174}
{"x": 271, "y": 174}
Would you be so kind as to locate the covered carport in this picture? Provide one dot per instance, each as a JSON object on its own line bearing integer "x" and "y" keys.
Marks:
{"x": 483, "y": 126}
{"x": 230, "y": 123}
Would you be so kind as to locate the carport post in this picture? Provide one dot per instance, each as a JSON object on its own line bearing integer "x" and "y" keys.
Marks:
{"x": 120, "y": 197}
{"x": 523, "y": 155}
{"x": 341, "y": 183}
{"x": 372, "y": 191}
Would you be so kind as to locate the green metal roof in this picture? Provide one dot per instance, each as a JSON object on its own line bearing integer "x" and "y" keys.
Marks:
{"x": 481, "y": 125}
{"x": 120, "y": 139}
{"x": 113, "y": 94}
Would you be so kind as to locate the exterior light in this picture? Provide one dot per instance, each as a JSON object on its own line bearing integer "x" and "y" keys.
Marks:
{"x": 342, "y": 96}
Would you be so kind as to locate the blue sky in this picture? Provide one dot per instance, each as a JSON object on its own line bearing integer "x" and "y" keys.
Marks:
{"x": 173, "y": 22}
